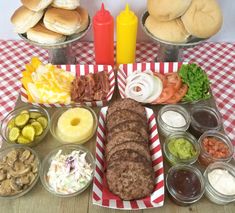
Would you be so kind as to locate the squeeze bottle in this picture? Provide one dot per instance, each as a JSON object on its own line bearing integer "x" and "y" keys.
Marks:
{"x": 103, "y": 30}
{"x": 127, "y": 23}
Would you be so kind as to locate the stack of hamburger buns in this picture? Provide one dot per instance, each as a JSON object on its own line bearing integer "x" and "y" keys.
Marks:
{"x": 129, "y": 170}
{"x": 50, "y": 21}
{"x": 175, "y": 21}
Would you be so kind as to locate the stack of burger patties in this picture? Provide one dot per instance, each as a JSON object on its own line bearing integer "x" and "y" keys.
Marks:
{"x": 177, "y": 20}
{"x": 129, "y": 171}
{"x": 50, "y": 21}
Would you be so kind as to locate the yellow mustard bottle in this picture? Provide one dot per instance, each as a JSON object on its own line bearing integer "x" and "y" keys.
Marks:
{"x": 126, "y": 29}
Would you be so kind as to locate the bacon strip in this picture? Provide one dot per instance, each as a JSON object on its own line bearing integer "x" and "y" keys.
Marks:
{"x": 91, "y": 87}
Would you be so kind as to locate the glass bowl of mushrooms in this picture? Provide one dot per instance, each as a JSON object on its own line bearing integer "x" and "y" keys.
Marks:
{"x": 19, "y": 171}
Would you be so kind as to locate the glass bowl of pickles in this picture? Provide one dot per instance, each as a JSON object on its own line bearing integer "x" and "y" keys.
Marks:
{"x": 26, "y": 125}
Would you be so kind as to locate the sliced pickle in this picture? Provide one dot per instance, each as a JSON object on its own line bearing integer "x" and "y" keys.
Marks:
{"x": 43, "y": 121}
{"x": 38, "y": 128}
{"x": 24, "y": 112}
{"x": 11, "y": 124}
{"x": 28, "y": 132}
{"x": 21, "y": 119}
{"x": 22, "y": 140}
{"x": 14, "y": 133}
{"x": 35, "y": 115}
{"x": 31, "y": 120}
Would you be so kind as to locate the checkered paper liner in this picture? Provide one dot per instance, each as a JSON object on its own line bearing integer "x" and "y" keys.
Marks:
{"x": 81, "y": 70}
{"x": 102, "y": 196}
{"x": 126, "y": 69}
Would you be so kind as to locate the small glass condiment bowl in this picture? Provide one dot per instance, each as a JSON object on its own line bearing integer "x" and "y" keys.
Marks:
{"x": 201, "y": 114}
{"x": 54, "y": 125}
{"x": 178, "y": 182}
{"x": 17, "y": 147}
{"x": 205, "y": 158}
{"x": 65, "y": 150}
{"x": 167, "y": 129}
{"x": 175, "y": 159}
{"x": 31, "y": 108}
{"x": 211, "y": 193}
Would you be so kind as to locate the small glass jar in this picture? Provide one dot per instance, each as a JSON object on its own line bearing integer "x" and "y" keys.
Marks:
{"x": 175, "y": 159}
{"x": 173, "y": 118}
{"x": 204, "y": 118}
{"x": 66, "y": 139}
{"x": 4, "y": 126}
{"x": 46, "y": 165}
{"x": 206, "y": 158}
{"x": 211, "y": 193}
{"x": 185, "y": 184}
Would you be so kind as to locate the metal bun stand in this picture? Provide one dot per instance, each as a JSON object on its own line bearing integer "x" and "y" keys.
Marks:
{"x": 169, "y": 51}
{"x": 61, "y": 53}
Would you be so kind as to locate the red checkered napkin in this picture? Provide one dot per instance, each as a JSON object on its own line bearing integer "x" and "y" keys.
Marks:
{"x": 126, "y": 69}
{"x": 80, "y": 70}
{"x": 102, "y": 196}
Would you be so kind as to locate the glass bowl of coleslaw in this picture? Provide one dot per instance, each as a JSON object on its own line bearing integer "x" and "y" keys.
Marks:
{"x": 67, "y": 170}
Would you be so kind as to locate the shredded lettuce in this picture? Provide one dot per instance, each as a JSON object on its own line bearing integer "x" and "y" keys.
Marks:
{"x": 197, "y": 81}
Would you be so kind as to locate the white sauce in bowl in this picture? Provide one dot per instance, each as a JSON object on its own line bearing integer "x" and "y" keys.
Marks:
{"x": 174, "y": 119}
{"x": 222, "y": 181}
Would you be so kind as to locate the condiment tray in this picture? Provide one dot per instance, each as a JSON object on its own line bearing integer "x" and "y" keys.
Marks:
{"x": 158, "y": 67}
{"x": 80, "y": 70}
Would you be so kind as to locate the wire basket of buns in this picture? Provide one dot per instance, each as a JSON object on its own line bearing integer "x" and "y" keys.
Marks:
{"x": 53, "y": 25}
{"x": 179, "y": 24}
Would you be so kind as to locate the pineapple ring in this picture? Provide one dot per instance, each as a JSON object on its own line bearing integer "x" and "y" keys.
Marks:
{"x": 75, "y": 125}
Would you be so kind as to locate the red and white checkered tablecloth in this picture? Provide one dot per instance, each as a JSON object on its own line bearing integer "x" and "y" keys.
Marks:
{"x": 218, "y": 59}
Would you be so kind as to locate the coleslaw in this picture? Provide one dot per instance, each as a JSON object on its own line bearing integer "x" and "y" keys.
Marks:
{"x": 68, "y": 173}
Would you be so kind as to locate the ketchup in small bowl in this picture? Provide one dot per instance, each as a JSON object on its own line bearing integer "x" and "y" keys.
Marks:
{"x": 185, "y": 184}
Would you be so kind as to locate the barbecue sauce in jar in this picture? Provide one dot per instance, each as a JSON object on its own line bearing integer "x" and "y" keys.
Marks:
{"x": 185, "y": 184}
{"x": 204, "y": 118}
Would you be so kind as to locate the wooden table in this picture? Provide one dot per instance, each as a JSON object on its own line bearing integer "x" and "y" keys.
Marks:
{"x": 38, "y": 200}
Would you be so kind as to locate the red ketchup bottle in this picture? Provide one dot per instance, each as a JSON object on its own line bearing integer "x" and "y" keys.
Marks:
{"x": 103, "y": 29}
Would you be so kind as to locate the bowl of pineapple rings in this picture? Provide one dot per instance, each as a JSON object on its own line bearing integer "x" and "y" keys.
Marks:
{"x": 75, "y": 124}
{"x": 26, "y": 125}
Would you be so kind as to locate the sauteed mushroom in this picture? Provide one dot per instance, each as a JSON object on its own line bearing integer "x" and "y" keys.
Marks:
{"x": 2, "y": 175}
{"x": 34, "y": 165}
{"x": 25, "y": 155}
{"x": 29, "y": 160}
{"x": 11, "y": 157}
{"x": 18, "y": 170}
{"x": 14, "y": 185}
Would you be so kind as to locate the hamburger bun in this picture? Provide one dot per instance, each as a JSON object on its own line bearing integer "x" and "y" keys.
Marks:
{"x": 24, "y": 19}
{"x": 62, "y": 21}
{"x": 171, "y": 31}
{"x": 203, "y": 18}
{"x": 167, "y": 10}
{"x": 36, "y": 5}
{"x": 41, "y": 34}
{"x": 84, "y": 19}
{"x": 66, "y": 4}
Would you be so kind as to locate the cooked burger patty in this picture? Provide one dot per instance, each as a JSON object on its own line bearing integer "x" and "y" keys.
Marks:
{"x": 130, "y": 180}
{"x": 128, "y": 155}
{"x": 129, "y": 104}
{"x": 131, "y": 145}
{"x": 132, "y": 126}
{"x": 124, "y": 115}
{"x": 122, "y": 137}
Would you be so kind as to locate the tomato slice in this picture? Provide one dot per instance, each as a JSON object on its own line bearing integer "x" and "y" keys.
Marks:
{"x": 173, "y": 79}
{"x": 178, "y": 95}
{"x": 162, "y": 77}
{"x": 166, "y": 94}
